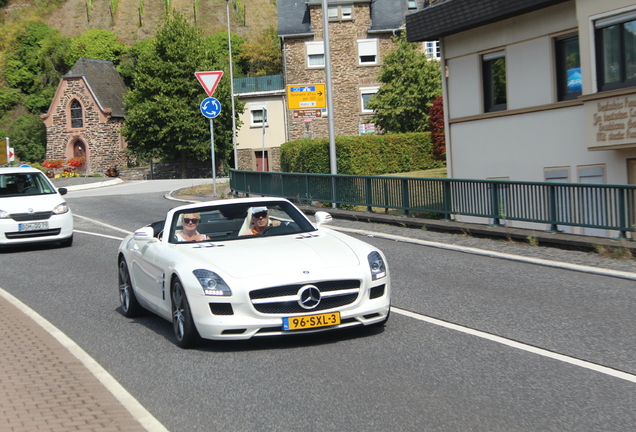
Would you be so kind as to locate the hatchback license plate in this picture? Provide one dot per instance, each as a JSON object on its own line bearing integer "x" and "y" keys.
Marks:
{"x": 311, "y": 321}
{"x": 34, "y": 226}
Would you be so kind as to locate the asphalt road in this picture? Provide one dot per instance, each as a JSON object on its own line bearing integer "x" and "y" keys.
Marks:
{"x": 518, "y": 347}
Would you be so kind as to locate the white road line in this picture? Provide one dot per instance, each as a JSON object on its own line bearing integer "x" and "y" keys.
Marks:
{"x": 520, "y": 346}
{"x": 129, "y": 402}
{"x": 102, "y": 224}
{"x": 99, "y": 235}
{"x": 483, "y": 252}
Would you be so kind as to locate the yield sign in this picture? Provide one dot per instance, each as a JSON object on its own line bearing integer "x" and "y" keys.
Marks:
{"x": 209, "y": 80}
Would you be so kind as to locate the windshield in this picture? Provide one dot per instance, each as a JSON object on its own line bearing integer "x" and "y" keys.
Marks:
{"x": 20, "y": 184}
{"x": 239, "y": 221}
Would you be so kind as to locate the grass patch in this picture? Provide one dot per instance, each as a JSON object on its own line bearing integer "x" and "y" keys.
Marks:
{"x": 431, "y": 173}
{"x": 203, "y": 189}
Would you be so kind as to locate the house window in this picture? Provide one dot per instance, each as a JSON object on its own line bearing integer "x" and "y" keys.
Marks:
{"x": 411, "y": 4}
{"x": 366, "y": 93}
{"x": 315, "y": 54}
{"x": 368, "y": 52}
{"x": 258, "y": 114}
{"x": 77, "y": 120}
{"x": 494, "y": 70}
{"x": 341, "y": 12}
{"x": 568, "y": 67}
{"x": 432, "y": 49}
{"x": 616, "y": 51}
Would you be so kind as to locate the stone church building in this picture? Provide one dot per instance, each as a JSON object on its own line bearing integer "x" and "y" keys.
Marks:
{"x": 85, "y": 116}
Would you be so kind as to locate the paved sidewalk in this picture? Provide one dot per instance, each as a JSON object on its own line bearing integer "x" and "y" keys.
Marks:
{"x": 46, "y": 388}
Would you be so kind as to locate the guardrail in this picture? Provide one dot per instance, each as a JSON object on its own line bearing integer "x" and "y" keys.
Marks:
{"x": 611, "y": 207}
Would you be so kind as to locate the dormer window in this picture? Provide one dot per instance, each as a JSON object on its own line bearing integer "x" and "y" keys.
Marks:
{"x": 340, "y": 12}
{"x": 77, "y": 119}
{"x": 412, "y": 4}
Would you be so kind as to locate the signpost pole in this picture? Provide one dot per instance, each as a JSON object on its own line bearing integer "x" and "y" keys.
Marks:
{"x": 330, "y": 121}
{"x": 213, "y": 159}
{"x": 263, "y": 140}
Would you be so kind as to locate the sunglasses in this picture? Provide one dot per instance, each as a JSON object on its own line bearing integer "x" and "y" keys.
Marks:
{"x": 188, "y": 220}
{"x": 260, "y": 215}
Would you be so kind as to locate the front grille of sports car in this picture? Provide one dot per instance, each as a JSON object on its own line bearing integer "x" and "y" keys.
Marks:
{"x": 22, "y": 217}
{"x": 284, "y": 299}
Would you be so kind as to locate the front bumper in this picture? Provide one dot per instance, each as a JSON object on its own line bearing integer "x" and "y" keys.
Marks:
{"x": 60, "y": 227}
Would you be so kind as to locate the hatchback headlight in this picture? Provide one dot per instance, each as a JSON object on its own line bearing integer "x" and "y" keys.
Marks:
{"x": 212, "y": 283}
{"x": 4, "y": 214}
{"x": 377, "y": 266}
{"x": 60, "y": 209}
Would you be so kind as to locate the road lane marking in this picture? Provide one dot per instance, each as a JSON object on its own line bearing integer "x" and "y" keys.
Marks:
{"x": 102, "y": 224}
{"x": 520, "y": 346}
{"x": 143, "y": 416}
{"x": 492, "y": 254}
{"x": 99, "y": 235}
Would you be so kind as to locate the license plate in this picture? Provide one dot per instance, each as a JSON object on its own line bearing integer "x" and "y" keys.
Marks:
{"x": 33, "y": 226}
{"x": 311, "y": 321}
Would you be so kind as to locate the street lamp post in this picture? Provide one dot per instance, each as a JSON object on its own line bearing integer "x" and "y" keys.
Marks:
{"x": 229, "y": 43}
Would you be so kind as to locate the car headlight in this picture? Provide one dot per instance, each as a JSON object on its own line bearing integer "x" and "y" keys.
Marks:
{"x": 60, "y": 209}
{"x": 4, "y": 214}
{"x": 377, "y": 266}
{"x": 212, "y": 283}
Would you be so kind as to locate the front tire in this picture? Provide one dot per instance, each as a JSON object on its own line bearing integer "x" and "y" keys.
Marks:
{"x": 127, "y": 298}
{"x": 184, "y": 330}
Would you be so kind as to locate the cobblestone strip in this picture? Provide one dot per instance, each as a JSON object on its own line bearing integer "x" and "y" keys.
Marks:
{"x": 45, "y": 388}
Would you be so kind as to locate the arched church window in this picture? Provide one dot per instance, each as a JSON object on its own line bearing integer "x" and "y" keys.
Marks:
{"x": 77, "y": 120}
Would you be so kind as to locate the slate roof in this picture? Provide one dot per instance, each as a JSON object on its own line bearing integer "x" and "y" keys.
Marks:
{"x": 454, "y": 16}
{"x": 293, "y": 15}
{"x": 104, "y": 82}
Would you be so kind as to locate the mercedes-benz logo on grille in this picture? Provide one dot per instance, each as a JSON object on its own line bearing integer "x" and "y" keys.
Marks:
{"x": 309, "y": 297}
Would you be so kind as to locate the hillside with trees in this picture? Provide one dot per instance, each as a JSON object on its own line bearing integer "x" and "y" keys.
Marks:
{"x": 42, "y": 39}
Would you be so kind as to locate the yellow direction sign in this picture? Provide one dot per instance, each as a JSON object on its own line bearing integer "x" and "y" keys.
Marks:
{"x": 306, "y": 96}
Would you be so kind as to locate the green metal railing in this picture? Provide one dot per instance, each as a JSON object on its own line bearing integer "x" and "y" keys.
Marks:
{"x": 611, "y": 207}
{"x": 260, "y": 83}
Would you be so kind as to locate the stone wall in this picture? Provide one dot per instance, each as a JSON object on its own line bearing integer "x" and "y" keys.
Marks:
{"x": 347, "y": 76}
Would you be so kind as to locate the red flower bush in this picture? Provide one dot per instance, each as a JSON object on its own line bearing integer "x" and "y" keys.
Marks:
{"x": 53, "y": 163}
{"x": 76, "y": 162}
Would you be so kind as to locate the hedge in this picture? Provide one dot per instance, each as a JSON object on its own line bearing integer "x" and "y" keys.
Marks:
{"x": 361, "y": 155}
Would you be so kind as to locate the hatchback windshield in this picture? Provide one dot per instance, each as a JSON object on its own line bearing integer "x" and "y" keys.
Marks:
{"x": 20, "y": 184}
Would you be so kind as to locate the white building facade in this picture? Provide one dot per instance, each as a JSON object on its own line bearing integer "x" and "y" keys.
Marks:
{"x": 537, "y": 90}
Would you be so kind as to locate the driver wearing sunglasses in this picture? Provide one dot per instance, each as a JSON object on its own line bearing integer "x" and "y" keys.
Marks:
{"x": 260, "y": 221}
{"x": 189, "y": 233}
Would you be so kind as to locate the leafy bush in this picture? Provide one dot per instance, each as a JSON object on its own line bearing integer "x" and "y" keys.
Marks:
{"x": 361, "y": 155}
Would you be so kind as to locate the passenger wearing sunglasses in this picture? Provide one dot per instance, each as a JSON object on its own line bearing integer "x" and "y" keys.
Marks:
{"x": 260, "y": 221}
{"x": 189, "y": 233}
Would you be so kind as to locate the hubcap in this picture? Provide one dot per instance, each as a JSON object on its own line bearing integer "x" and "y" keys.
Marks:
{"x": 124, "y": 286}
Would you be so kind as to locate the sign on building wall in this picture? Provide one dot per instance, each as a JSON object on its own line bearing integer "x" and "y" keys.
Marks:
{"x": 306, "y": 96}
{"x": 613, "y": 122}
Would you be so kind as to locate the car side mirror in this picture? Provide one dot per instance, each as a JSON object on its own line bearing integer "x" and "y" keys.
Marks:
{"x": 322, "y": 218}
{"x": 145, "y": 233}
{"x": 62, "y": 191}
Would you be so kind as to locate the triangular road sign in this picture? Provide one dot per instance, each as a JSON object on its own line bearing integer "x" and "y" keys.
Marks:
{"x": 209, "y": 80}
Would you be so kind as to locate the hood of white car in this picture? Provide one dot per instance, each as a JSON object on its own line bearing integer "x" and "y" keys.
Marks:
{"x": 251, "y": 257}
{"x": 23, "y": 204}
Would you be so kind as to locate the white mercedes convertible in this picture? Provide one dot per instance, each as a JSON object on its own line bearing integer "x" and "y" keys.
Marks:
{"x": 242, "y": 268}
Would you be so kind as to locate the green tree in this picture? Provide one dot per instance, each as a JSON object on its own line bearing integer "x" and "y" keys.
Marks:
{"x": 263, "y": 56}
{"x": 27, "y": 136}
{"x": 96, "y": 44}
{"x": 411, "y": 82}
{"x": 35, "y": 63}
{"x": 163, "y": 109}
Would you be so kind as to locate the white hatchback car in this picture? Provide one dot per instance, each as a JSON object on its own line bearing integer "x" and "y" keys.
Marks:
{"x": 32, "y": 210}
